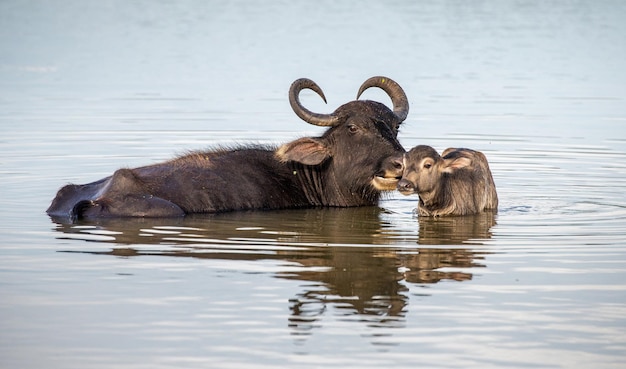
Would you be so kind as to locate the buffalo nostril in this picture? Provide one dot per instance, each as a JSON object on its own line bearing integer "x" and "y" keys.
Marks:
{"x": 404, "y": 185}
{"x": 397, "y": 164}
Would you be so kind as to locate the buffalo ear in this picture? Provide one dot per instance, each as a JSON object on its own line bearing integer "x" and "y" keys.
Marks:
{"x": 453, "y": 164}
{"x": 307, "y": 151}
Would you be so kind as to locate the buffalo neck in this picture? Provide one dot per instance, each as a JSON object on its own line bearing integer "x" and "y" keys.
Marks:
{"x": 321, "y": 187}
{"x": 433, "y": 201}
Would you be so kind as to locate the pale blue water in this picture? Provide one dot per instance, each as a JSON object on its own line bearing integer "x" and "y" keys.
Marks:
{"x": 540, "y": 87}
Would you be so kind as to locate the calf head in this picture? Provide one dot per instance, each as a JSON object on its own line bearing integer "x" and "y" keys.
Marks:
{"x": 424, "y": 169}
{"x": 360, "y": 149}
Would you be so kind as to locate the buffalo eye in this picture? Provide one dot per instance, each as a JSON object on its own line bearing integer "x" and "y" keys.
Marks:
{"x": 353, "y": 128}
{"x": 427, "y": 165}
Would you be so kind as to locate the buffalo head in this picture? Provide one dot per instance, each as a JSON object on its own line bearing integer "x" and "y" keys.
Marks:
{"x": 360, "y": 151}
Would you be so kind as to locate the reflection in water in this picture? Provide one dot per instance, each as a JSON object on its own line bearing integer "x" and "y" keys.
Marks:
{"x": 456, "y": 230}
{"x": 299, "y": 227}
{"x": 349, "y": 258}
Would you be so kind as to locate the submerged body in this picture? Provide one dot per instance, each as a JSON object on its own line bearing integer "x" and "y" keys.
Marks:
{"x": 210, "y": 182}
{"x": 185, "y": 185}
{"x": 349, "y": 165}
{"x": 458, "y": 182}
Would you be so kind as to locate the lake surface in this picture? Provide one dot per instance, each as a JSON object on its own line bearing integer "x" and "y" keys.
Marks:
{"x": 87, "y": 87}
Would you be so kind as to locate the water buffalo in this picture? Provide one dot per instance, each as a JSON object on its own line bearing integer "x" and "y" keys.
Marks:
{"x": 458, "y": 182}
{"x": 355, "y": 159}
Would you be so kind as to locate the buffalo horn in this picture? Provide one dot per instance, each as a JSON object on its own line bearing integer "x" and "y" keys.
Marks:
{"x": 308, "y": 116}
{"x": 395, "y": 92}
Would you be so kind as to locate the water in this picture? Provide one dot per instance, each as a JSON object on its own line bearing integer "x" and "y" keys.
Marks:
{"x": 539, "y": 87}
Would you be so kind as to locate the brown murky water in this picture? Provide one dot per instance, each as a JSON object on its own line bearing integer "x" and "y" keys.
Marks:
{"x": 539, "y": 87}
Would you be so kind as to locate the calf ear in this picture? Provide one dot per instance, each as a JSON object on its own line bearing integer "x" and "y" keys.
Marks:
{"x": 307, "y": 151}
{"x": 453, "y": 164}
{"x": 447, "y": 151}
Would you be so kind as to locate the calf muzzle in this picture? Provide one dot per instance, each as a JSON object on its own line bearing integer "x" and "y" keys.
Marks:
{"x": 405, "y": 187}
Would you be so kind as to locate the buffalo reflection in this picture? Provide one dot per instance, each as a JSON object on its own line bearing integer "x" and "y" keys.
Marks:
{"x": 356, "y": 260}
{"x": 455, "y": 230}
{"x": 360, "y": 225}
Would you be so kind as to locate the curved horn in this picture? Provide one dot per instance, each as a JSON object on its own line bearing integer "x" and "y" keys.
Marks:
{"x": 324, "y": 120}
{"x": 395, "y": 92}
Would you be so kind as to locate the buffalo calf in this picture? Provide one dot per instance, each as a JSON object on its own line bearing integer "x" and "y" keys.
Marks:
{"x": 458, "y": 182}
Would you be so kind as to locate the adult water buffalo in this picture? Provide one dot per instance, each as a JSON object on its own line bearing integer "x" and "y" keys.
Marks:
{"x": 355, "y": 159}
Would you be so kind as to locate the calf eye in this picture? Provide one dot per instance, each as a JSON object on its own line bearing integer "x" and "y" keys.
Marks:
{"x": 428, "y": 165}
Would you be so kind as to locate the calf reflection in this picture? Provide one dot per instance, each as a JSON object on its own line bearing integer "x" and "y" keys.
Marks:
{"x": 353, "y": 260}
{"x": 372, "y": 282}
{"x": 472, "y": 229}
